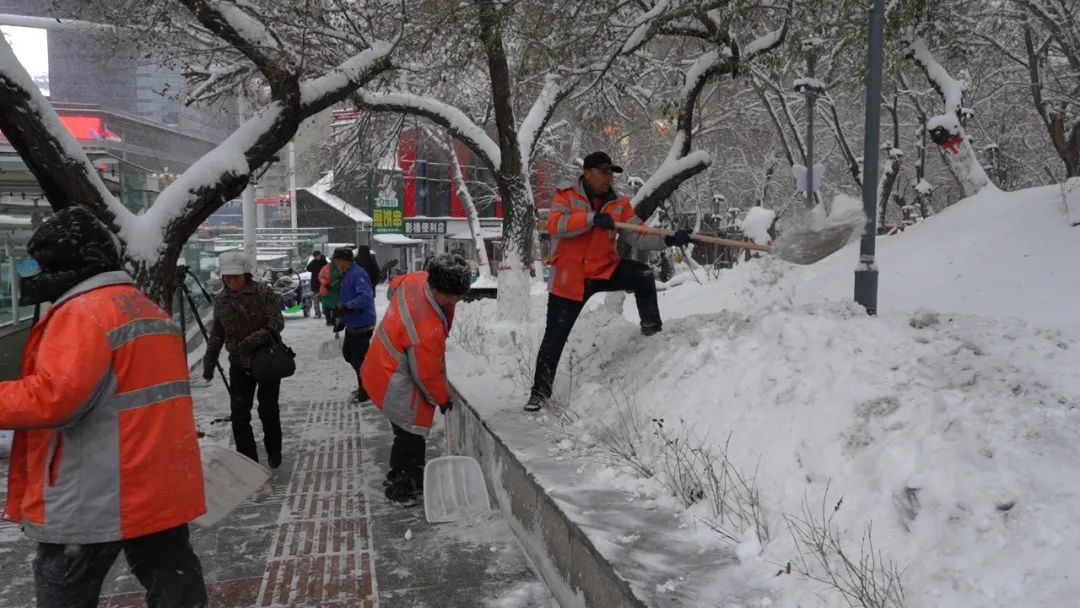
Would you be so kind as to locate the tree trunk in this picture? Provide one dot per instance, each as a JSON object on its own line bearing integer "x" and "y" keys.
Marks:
{"x": 519, "y": 224}
{"x": 888, "y": 182}
{"x": 947, "y": 129}
{"x": 518, "y": 228}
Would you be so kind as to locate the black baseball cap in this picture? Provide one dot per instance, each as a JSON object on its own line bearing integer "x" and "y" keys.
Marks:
{"x": 342, "y": 253}
{"x": 600, "y": 160}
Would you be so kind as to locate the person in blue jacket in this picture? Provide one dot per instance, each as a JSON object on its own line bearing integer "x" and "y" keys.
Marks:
{"x": 356, "y": 314}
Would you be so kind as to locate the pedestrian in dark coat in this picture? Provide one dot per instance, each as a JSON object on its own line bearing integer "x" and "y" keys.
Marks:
{"x": 366, "y": 260}
{"x": 246, "y": 317}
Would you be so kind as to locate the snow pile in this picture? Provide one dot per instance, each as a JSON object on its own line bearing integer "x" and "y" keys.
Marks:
{"x": 949, "y": 424}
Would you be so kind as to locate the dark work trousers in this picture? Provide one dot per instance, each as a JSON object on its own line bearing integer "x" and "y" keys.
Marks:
{"x": 244, "y": 388}
{"x": 70, "y": 576}
{"x": 355, "y": 347}
{"x": 330, "y": 314}
{"x": 562, "y": 313}
{"x": 407, "y": 456}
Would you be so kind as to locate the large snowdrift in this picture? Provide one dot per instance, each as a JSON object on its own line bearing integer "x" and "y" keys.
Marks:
{"x": 950, "y": 422}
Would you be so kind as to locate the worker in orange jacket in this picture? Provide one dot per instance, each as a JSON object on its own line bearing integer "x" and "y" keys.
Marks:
{"x": 584, "y": 261}
{"x": 404, "y": 372}
{"x": 105, "y": 457}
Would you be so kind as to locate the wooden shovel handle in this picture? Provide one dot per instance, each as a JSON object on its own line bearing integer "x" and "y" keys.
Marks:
{"x": 702, "y": 238}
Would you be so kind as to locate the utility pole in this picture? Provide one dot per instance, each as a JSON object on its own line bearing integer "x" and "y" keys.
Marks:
{"x": 866, "y": 272}
{"x": 249, "y": 209}
{"x": 292, "y": 184}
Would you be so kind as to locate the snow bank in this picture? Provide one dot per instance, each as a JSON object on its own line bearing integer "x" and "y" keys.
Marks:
{"x": 950, "y": 423}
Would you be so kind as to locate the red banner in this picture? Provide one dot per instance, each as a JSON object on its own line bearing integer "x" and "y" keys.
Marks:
{"x": 407, "y": 164}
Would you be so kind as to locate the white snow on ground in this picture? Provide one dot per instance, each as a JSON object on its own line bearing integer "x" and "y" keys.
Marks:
{"x": 949, "y": 422}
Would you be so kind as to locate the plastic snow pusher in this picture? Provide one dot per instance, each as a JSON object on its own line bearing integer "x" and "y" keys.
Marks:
{"x": 229, "y": 478}
{"x": 454, "y": 487}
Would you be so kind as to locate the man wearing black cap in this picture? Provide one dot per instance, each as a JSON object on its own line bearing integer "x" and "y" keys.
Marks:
{"x": 356, "y": 314}
{"x": 584, "y": 261}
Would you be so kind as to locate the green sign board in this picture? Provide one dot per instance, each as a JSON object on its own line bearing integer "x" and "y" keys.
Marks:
{"x": 386, "y": 203}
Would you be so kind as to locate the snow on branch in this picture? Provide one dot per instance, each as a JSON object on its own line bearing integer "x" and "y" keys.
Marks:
{"x": 667, "y": 179}
{"x": 639, "y": 27}
{"x": 450, "y": 118}
{"x": 356, "y": 69}
{"x": 213, "y": 180}
{"x": 31, "y": 125}
{"x": 55, "y": 23}
{"x": 215, "y": 81}
{"x": 950, "y": 89}
{"x": 766, "y": 43}
{"x": 249, "y": 36}
{"x": 947, "y": 129}
{"x": 539, "y": 114}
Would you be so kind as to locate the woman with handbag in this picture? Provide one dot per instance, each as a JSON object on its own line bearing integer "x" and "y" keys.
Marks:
{"x": 247, "y": 320}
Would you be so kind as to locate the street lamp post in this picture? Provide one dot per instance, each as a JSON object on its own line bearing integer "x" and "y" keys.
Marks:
{"x": 866, "y": 272}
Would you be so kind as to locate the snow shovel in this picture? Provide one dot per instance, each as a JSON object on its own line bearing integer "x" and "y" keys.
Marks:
{"x": 229, "y": 478}
{"x": 454, "y": 487}
{"x": 330, "y": 349}
{"x": 799, "y": 246}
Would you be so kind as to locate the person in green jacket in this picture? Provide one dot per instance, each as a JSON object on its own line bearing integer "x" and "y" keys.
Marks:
{"x": 330, "y": 294}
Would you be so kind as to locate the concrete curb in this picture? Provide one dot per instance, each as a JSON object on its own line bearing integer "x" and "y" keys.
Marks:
{"x": 575, "y": 571}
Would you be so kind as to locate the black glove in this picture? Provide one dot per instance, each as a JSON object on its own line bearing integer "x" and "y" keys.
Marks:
{"x": 208, "y": 374}
{"x": 447, "y": 407}
{"x": 603, "y": 220}
{"x": 680, "y": 239}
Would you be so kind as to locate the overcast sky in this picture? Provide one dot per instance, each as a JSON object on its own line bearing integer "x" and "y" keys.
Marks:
{"x": 31, "y": 47}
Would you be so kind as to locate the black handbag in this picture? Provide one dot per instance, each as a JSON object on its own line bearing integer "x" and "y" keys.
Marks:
{"x": 273, "y": 361}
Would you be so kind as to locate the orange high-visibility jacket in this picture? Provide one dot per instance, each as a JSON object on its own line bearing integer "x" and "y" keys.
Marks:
{"x": 404, "y": 371}
{"x": 105, "y": 446}
{"x": 580, "y": 251}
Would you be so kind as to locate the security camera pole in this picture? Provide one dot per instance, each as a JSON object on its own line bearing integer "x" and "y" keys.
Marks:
{"x": 866, "y": 273}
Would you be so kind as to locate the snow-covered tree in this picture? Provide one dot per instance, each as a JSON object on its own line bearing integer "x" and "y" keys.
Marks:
{"x": 305, "y": 56}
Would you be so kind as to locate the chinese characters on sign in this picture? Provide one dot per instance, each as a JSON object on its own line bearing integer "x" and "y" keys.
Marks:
{"x": 422, "y": 227}
{"x": 386, "y": 208}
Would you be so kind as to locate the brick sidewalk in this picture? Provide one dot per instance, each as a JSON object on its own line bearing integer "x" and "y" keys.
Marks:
{"x": 317, "y": 551}
{"x": 322, "y": 534}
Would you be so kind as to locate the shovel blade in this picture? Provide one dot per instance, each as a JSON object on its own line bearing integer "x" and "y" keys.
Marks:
{"x": 806, "y": 245}
{"x": 229, "y": 478}
{"x": 330, "y": 349}
{"x": 454, "y": 489}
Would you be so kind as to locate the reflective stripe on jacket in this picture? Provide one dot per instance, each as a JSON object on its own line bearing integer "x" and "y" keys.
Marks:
{"x": 580, "y": 251}
{"x": 404, "y": 371}
{"x": 105, "y": 447}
